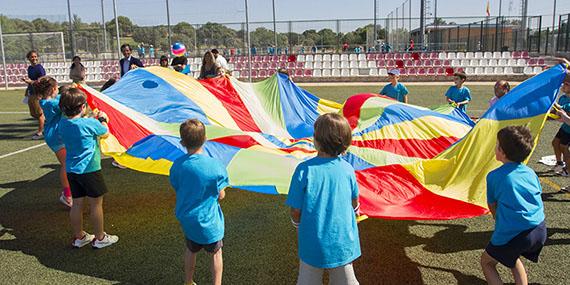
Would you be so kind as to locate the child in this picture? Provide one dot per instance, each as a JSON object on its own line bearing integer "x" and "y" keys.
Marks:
{"x": 83, "y": 165}
{"x": 322, "y": 195}
{"x": 501, "y": 88}
{"x": 458, "y": 94}
{"x": 514, "y": 199}
{"x": 46, "y": 89}
{"x": 395, "y": 89}
{"x": 199, "y": 182}
{"x": 35, "y": 71}
{"x": 561, "y": 141}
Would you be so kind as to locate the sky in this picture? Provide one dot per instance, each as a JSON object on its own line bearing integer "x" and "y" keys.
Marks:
{"x": 153, "y": 12}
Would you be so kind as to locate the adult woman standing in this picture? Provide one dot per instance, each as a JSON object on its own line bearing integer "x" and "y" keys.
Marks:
{"x": 209, "y": 67}
{"x": 77, "y": 70}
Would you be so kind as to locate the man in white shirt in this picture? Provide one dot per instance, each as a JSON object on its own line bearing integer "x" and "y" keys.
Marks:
{"x": 220, "y": 59}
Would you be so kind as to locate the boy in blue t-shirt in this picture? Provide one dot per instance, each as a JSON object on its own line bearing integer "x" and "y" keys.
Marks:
{"x": 83, "y": 165}
{"x": 459, "y": 95}
{"x": 514, "y": 199}
{"x": 322, "y": 196}
{"x": 561, "y": 141}
{"x": 199, "y": 182}
{"x": 395, "y": 89}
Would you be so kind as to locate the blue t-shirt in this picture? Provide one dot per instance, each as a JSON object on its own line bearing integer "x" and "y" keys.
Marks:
{"x": 198, "y": 180}
{"x": 34, "y": 73}
{"x": 80, "y": 137}
{"x": 397, "y": 92}
{"x": 459, "y": 95}
{"x": 52, "y": 115}
{"x": 323, "y": 189}
{"x": 564, "y": 102}
{"x": 516, "y": 190}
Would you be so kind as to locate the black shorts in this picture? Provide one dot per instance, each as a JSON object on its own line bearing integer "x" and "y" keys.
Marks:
{"x": 211, "y": 248}
{"x": 528, "y": 243}
{"x": 563, "y": 136}
{"x": 87, "y": 184}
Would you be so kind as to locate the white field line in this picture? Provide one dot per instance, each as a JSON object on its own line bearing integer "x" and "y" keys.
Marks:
{"x": 13, "y": 113}
{"x": 22, "y": 150}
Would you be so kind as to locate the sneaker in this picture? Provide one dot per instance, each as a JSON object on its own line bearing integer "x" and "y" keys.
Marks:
{"x": 106, "y": 241}
{"x": 118, "y": 165}
{"x": 565, "y": 189}
{"x": 563, "y": 172}
{"x": 87, "y": 238}
{"x": 66, "y": 200}
{"x": 38, "y": 136}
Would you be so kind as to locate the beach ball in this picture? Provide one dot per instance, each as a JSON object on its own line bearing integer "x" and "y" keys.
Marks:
{"x": 178, "y": 49}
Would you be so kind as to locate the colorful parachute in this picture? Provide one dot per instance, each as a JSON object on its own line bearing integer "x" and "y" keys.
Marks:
{"x": 411, "y": 162}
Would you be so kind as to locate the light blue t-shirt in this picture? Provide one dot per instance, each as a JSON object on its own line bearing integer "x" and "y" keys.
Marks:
{"x": 197, "y": 181}
{"x": 397, "y": 92}
{"x": 52, "y": 115}
{"x": 564, "y": 102}
{"x": 516, "y": 190}
{"x": 459, "y": 95}
{"x": 323, "y": 189}
{"x": 80, "y": 137}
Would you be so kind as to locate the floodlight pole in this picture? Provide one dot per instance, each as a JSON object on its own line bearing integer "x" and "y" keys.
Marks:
{"x": 70, "y": 29}
{"x": 274, "y": 27}
{"x": 117, "y": 27}
{"x": 168, "y": 21}
{"x": 553, "y": 23}
{"x": 374, "y": 29}
{"x": 104, "y": 26}
{"x": 248, "y": 41}
{"x": 3, "y": 55}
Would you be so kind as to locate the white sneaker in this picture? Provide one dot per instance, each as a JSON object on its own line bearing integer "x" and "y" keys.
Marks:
{"x": 87, "y": 238}
{"x": 66, "y": 200}
{"x": 118, "y": 165}
{"x": 106, "y": 241}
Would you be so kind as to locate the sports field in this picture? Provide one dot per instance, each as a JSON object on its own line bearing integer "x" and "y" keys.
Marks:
{"x": 260, "y": 244}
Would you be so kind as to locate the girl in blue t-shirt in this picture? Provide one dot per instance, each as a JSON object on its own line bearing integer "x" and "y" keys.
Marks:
{"x": 45, "y": 89}
{"x": 323, "y": 197}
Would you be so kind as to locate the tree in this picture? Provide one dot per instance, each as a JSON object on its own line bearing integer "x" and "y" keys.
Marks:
{"x": 126, "y": 27}
{"x": 327, "y": 37}
{"x": 216, "y": 35}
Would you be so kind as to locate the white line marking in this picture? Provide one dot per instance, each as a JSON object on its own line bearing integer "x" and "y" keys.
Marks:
{"x": 8, "y": 112}
{"x": 22, "y": 150}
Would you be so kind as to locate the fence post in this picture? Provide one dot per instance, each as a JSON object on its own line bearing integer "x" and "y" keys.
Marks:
{"x": 469, "y": 37}
{"x": 481, "y": 37}
{"x": 540, "y": 33}
{"x": 516, "y": 40}
{"x": 567, "y": 39}
{"x": 546, "y": 42}
{"x": 3, "y": 55}
{"x": 495, "y": 44}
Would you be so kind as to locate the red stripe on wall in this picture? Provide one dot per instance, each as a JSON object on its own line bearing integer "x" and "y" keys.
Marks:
{"x": 222, "y": 88}
{"x": 122, "y": 127}
{"x": 391, "y": 192}
{"x": 410, "y": 147}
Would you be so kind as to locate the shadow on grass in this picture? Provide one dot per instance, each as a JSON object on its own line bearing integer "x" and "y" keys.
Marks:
{"x": 259, "y": 245}
{"x": 18, "y": 130}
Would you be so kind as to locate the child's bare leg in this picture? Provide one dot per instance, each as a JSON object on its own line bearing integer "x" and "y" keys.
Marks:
{"x": 565, "y": 154}
{"x": 60, "y": 154}
{"x": 76, "y": 216}
{"x": 217, "y": 267}
{"x": 556, "y": 148}
{"x": 96, "y": 215}
{"x": 41, "y": 121}
{"x": 489, "y": 266}
{"x": 519, "y": 273}
{"x": 189, "y": 265}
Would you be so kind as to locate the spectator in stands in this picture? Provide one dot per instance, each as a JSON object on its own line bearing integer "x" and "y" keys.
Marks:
{"x": 209, "y": 67}
{"x": 411, "y": 46}
{"x": 459, "y": 95}
{"x": 253, "y": 50}
{"x": 128, "y": 62}
{"x": 35, "y": 71}
{"x": 151, "y": 51}
{"x": 395, "y": 89}
{"x": 345, "y": 47}
{"x": 220, "y": 60}
{"x": 502, "y": 87}
{"x": 314, "y": 49}
{"x": 164, "y": 61}
{"x": 77, "y": 70}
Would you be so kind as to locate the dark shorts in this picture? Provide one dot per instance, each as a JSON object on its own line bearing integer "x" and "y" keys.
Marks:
{"x": 528, "y": 244}
{"x": 211, "y": 248}
{"x": 87, "y": 184}
{"x": 563, "y": 136}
